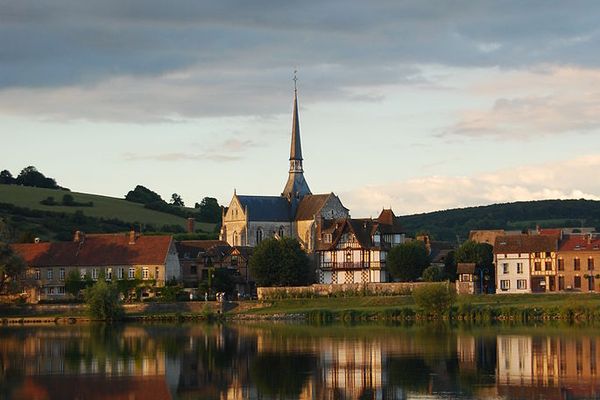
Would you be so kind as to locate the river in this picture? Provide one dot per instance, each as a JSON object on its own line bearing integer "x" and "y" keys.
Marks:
{"x": 295, "y": 361}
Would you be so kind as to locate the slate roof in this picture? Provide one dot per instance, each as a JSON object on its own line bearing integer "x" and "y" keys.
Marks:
{"x": 266, "y": 208}
{"x": 97, "y": 250}
{"x": 363, "y": 229}
{"x": 311, "y": 205}
{"x": 513, "y": 244}
{"x": 193, "y": 248}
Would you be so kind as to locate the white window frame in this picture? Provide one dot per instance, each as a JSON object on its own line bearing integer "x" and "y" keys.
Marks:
{"x": 519, "y": 268}
{"x": 505, "y": 284}
{"x": 95, "y": 274}
{"x": 50, "y": 274}
{"x": 505, "y": 268}
{"x": 145, "y": 273}
{"x": 61, "y": 274}
{"x": 131, "y": 273}
{"x": 522, "y": 284}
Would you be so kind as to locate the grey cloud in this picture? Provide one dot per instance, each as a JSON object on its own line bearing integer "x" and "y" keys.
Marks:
{"x": 239, "y": 49}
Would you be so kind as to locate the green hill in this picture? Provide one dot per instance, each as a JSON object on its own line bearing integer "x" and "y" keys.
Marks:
{"x": 107, "y": 213}
{"x": 455, "y": 224}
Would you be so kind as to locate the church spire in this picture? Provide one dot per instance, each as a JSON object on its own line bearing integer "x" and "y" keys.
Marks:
{"x": 296, "y": 186}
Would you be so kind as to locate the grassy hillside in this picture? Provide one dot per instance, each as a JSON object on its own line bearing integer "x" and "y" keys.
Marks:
{"x": 448, "y": 224}
{"x": 106, "y": 208}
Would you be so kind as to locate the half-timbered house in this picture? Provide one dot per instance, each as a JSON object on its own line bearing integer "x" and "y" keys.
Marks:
{"x": 355, "y": 250}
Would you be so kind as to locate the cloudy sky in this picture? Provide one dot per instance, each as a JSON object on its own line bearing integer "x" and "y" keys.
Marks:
{"x": 417, "y": 105}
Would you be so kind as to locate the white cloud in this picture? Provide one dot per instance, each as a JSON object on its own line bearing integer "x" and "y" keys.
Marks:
{"x": 546, "y": 101}
{"x": 566, "y": 179}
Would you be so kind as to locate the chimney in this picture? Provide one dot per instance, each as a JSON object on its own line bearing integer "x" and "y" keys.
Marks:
{"x": 79, "y": 237}
{"x": 132, "y": 237}
{"x": 36, "y": 240}
{"x": 191, "y": 225}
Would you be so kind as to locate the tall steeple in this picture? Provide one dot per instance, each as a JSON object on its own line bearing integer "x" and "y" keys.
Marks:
{"x": 296, "y": 186}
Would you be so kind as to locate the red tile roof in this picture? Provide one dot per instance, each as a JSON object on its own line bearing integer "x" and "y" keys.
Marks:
{"x": 97, "y": 250}
{"x": 580, "y": 243}
{"x": 512, "y": 244}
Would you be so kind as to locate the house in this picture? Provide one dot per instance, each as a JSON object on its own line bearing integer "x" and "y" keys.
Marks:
{"x": 196, "y": 257}
{"x": 249, "y": 219}
{"x": 199, "y": 257}
{"x": 525, "y": 263}
{"x": 114, "y": 256}
{"x": 355, "y": 250}
{"x": 468, "y": 281}
{"x": 577, "y": 261}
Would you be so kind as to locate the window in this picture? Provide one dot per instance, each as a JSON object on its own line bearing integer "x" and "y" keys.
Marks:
{"x": 519, "y": 268}
{"x": 61, "y": 290}
{"x": 50, "y": 290}
{"x": 349, "y": 256}
{"x": 537, "y": 265}
{"x": 561, "y": 264}
{"x": 576, "y": 264}
{"x": 108, "y": 274}
{"x": 38, "y": 274}
{"x": 259, "y": 235}
{"x": 235, "y": 239}
{"x": 61, "y": 274}
{"x": 577, "y": 282}
{"x": 548, "y": 254}
{"x": 548, "y": 265}
{"x": 120, "y": 273}
{"x": 537, "y": 255}
{"x": 505, "y": 284}
{"x": 590, "y": 264}
{"x": 561, "y": 283}
{"x": 234, "y": 261}
{"x": 505, "y": 268}
{"x": 281, "y": 231}
{"x": 522, "y": 284}
{"x": 376, "y": 239}
{"x": 156, "y": 273}
{"x": 327, "y": 237}
{"x": 145, "y": 273}
{"x": 49, "y": 273}
{"x": 131, "y": 273}
{"x": 95, "y": 273}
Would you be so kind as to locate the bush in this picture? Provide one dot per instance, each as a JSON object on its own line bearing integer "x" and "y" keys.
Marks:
{"x": 434, "y": 300}
{"x": 103, "y": 301}
{"x": 433, "y": 274}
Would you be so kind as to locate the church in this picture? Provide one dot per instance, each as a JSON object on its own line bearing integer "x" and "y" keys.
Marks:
{"x": 345, "y": 250}
{"x": 296, "y": 212}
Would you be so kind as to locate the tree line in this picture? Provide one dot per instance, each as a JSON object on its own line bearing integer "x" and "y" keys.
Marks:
{"x": 29, "y": 176}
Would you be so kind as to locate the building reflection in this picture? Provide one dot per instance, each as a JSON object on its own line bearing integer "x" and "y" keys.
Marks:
{"x": 555, "y": 367}
{"x": 287, "y": 362}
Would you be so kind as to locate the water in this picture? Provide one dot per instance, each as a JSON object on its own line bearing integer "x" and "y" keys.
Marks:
{"x": 279, "y": 361}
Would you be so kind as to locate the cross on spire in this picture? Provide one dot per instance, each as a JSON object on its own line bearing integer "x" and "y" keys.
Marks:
{"x": 295, "y": 82}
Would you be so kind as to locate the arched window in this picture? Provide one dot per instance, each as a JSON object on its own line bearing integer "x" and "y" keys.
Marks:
{"x": 235, "y": 239}
{"x": 259, "y": 235}
{"x": 281, "y": 231}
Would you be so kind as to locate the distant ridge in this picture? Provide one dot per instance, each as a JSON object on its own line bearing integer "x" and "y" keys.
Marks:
{"x": 454, "y": 224}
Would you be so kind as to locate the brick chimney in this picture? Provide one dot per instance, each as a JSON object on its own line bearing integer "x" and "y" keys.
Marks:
{"x": 132, "y": 237}
{"x": 191, "y": 225}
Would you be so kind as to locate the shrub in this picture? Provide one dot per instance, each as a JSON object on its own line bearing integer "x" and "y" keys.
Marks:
{"x": 103, "y": 301}
{"x": 433, "y": 274}
{"x": 434, "y": 300}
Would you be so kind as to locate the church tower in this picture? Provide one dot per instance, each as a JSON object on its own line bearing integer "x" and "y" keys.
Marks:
{"x": 296, "y": 186}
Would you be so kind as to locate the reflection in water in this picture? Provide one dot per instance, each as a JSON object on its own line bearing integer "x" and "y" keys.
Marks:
{"x": 296, "y": 362}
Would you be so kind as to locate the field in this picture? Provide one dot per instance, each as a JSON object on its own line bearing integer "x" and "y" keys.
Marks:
{"x": 104, "y": 207}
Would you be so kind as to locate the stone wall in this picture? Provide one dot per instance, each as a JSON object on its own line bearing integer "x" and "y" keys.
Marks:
{"x": 358, "y": 289}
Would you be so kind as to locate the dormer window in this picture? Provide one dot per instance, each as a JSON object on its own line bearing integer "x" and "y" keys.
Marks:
{"x": 377, "y": 238}
{"x": 327, "y": 237}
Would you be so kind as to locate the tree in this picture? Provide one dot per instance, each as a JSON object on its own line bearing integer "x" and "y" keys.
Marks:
{"x": 143, "y": 195}
{"x": 30, "y": 176}
{"x": 103, "y": 301}
{"x": 407, "y": 261}
{"x": 176, "y": 200}
{"x": 74, "y": 284}
{"x": 209, "y": 210}
{"x": 6, "y": 178}
{"x": 450, "y": 266}
{"x": 68, "y": 200}
{"x": 12, "y": 270}
{"x": 280, "y": 262}
{"x": 473, "y": 252}
{"x": 433, "y": 274}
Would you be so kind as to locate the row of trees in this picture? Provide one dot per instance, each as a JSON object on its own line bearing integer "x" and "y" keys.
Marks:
{"x": 208, "y": 210}
{"x": 29, "y": 176}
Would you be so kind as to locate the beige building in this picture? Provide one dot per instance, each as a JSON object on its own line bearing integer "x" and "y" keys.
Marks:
{"x": 250, "y": 219}
{"x": 114, "y": 256}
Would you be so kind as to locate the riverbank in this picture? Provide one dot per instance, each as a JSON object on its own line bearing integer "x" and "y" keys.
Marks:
{"x": 522, "y": 308}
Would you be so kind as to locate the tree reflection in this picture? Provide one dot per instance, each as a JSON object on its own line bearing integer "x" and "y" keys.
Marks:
{"x": 281, "y": 375}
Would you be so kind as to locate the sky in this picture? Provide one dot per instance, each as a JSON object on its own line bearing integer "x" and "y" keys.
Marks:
{"x": 414, "y": 105}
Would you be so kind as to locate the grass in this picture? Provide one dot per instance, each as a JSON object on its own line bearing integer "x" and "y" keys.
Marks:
{"x": 384, "y": 304}
{"x": 104, "y": 206}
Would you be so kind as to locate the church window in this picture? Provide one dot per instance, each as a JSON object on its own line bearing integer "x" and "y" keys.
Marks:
{"x": 281, "y": 231}
{"x": 235, "y": 239}
{"x": 259, "y": 235}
